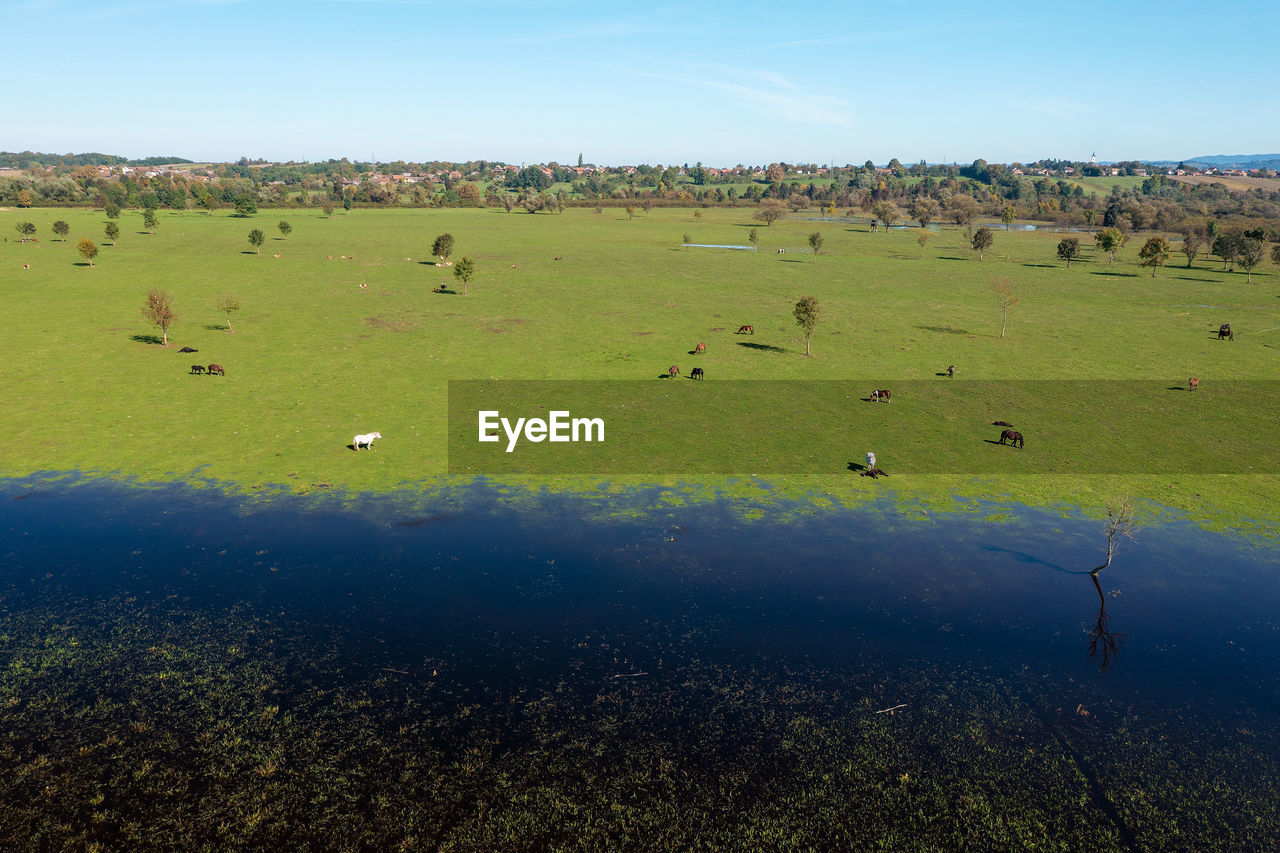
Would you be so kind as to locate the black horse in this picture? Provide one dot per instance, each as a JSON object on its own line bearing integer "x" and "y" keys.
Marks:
{"x": 696, "y": 373}
{"x": 1224, "y": 331}
{"x": 1011, "y": 437}
{"x": 197, "y": 369}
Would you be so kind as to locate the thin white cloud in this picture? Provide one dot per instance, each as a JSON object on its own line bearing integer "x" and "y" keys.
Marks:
{"x": 774, "y": 95}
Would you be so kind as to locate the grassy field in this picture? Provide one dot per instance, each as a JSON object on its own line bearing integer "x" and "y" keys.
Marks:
{"x": 326, "y": 346}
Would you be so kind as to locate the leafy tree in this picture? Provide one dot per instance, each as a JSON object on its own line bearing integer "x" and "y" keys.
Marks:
{"x": 25, "y": 199}
{"x": 245, "y": 205}
{"x": 256, "y": 239}
{"x": 158, "y": 310}
{"x": 149, "y": 220}
{"x": 87, "y": 249}
{"x": 228, "y": 302}
{"x": 469, "y": 194}
{"x": 922, "y": 238}
{"x": 1109, "y": 240}
{"x": 697, "y": 216}
{"x": 815, "y": 243}
{"x": 111, "y": 209}
{"x": 1227, "y": 247}
{"x": 775, "y": 173}
{"x": 285, "y": 229}
{"x": 62, "y": 229}
{"x": 631, "y": 212}
{"x": 753, "y": 237}
{"x": 442, "y": 248}
{"x": 26, "y": 230}
{"x": 209, "y": 203}
{"x": 1154, "y": 253}
{"x": 1006, "y": 298}
{"x": 113, "y": 232}
{"x": 1251, "y": 254}
{"x": 328, "y": 207}
{"x": 1068, "y": 249}
{"x": 347, "y": 202}
{"x": 465, "y": 269}
{"x": 1191, "y": 243}
{"x": 923, "y": 210}
{"x": 982, "y": 240}
{"x": 1212, "y": 230}
{"x": 807, "y": 314}
{"x": 1008, "y": 216}
{"x": 963, "y": 210}
{"x": 887, "y": 212}
{"x": 1275, "y": 255}
{"x": 770, "y": 210}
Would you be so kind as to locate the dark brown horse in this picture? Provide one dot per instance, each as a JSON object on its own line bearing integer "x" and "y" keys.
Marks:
{"x": 696, "y": 373}
{"x": 197, "y": 369}
{"x": 673, "y": 371}
{"x": 1011, "y": 437}
{"x": 701, "y": 347}
{"x": 1193, "y": 383}
{"x": 1224, "y": 331}
{"x": 746, "y": 330}
{"x": 216, "y": 368}
{"x": 877, "y": 396}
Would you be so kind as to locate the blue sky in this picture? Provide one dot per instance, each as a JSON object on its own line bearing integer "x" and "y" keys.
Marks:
{"x": 722, "y": 83}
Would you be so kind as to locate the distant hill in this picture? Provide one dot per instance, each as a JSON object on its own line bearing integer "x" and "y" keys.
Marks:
{"x": 28, "y": 159}
{"x": 1238, "y": 161}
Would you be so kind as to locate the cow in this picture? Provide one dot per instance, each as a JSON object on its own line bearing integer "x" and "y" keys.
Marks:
{"x": 1224, "y": 331}
{"x": 696, "y": 373}
{"x": 877, "y": 396}
{"x": 216, "y": 368}
{"x": 365, "y": 439}
{"x": 746, "y": 330}
{"x": 188, "y": 349}
{"x": 701, "y": 347}
{"x": 673, "y": 371}
{"x": 197, "y": 369}
{"x": 1012, "y": 437}
{"x": 1193, "y": 383}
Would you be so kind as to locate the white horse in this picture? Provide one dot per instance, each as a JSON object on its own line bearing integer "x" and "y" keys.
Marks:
{"x": 366, "y": 440}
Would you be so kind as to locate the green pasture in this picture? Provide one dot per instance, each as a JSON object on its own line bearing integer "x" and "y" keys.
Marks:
{"x": 1103, "y": 184}
{"x": 316, "y": 357}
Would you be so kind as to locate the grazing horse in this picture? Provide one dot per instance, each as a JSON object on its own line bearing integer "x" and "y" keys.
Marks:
{"x": 1224, "y": 331}
{"x": 696, "y": 373}
{"x": 673, "y": 371}
{"x": 197, "y": 369}
{"x": 366, "y": 440}
{"x": 216, "y": 368}
{"x": 877, "y": 396}
{"x": 1012, "y": 437}
{"x": 746, "y": 330}
{"x": 1193, "y": 383}
{"x": 188, "y": 349}
{"x": 701, "y": 347}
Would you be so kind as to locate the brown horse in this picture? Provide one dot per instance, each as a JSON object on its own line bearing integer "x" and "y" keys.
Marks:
{"x": 701, "y": 347}
{"x": 673, "y": 371}
{"x": 1193, "y": 383}
{"x": 696, "y": 373}
{"x": 1012, "y": 437}
{"x": 1224, "y": 331}
{"x": 877, "y": 396}
{"x": 746, "y": 330}
{"x": 216, "y": 368}
{"x": 197, "y": 369}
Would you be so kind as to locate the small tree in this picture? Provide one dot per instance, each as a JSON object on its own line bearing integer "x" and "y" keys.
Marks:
{"x": 209, "y": 203}
{"x": 922, "y": 238}
{"x": 1227, "y": 247}
{"x": 1251, "y": 254}
{"x": 285, "y": 229}
{"x": 631, "y": 212}
{"x": 87, "y": 249}
{"x": 62, "y": 229}
{"x": 465, "y": 269}
{"x": 770, "y": 210}
{"x": 1191, "y": 243}
{"x": 26, "y": 230}
{"x": 1068, "y": 249}
{"x": 256, "y": 239}
{"x": 697, "y": 216}
{"x": 228, "y": 302}
{"x": 887, "y": 212}
{"x": 113, "y": 232}
{"x": 245, "y": 205}
{"x": 815, "y": 243}
{"x": 1109, "y": 240}
{"x": 1154, "y": 253}
{"x": 807, "y": 314}
{"x": 159, "y": 312}
{"x": 442, "y": 248}
{"x": 923, "y": 210}
{"x": 1120, "y": 522}
{"x": 111, "y": 209}
{"x": 1275, "y": 255}
{"x": 1008, "y": 216}
{"x": 328, "y": 207}
{"x": 982, "y": 240}
{"x": 753, "y": 237}
{"x": 1006, "y": 298}
{"x": 25, "y": 198}
{"x": 149, "y": 220}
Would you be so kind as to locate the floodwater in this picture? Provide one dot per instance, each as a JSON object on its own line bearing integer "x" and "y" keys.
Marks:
{"x": 181, "y": 667}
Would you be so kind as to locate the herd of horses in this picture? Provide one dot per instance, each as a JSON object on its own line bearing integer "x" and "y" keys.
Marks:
{"x": 211, "y": 370}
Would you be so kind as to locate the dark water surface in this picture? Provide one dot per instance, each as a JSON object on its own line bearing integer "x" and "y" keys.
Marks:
{"x": 184, "y": 668}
